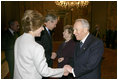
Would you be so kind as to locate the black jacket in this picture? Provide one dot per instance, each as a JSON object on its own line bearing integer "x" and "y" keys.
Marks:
{"x": 46, "y": 41}
{"x": 87, "y": 59}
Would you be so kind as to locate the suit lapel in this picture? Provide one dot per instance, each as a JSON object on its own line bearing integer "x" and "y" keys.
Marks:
{"x": 9, "y": 33}
{"x": 86, "y": 44}
{"x": 47, "y": 33}
{"x": 77, "y": 50}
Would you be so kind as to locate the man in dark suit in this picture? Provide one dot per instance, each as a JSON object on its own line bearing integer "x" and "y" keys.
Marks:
{"x": 88, "y": 53}
{"x": 108, "y": 37}
{"x": 46, "y": 39}
{"x": 113, "y": 38}
{"x": 8, "y": 40}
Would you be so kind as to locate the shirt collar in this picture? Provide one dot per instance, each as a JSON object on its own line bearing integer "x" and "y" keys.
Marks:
{"x": 47, "y": 29}
{"x": 83, "y": 40}
{"x": 11, "y": 31}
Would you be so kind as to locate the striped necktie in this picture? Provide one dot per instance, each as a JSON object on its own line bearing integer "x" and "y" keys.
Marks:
{"x": 80, "y": 44}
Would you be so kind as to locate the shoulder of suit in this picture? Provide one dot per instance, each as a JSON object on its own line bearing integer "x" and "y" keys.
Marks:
{"x": 7, "y": 32}
{"x": 95, "y": 39}
{"x": 72, "y": 41}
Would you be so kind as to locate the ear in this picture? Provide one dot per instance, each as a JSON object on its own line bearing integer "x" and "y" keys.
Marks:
{"x": 85, "y": 30}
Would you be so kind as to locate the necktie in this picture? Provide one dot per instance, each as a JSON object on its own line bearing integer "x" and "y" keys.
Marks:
{"x": 49, "y": 32}
{"x": 15, "y": 35}
{"x": 80, "y": 44}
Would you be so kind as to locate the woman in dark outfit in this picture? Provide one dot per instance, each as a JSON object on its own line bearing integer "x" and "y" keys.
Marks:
{"x": 66, "y": 50}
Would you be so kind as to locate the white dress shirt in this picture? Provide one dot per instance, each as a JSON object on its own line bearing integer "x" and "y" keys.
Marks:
{"x": 83, "y": 40}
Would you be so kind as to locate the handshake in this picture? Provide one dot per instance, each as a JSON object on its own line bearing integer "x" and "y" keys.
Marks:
{"x": 67, "y": 70}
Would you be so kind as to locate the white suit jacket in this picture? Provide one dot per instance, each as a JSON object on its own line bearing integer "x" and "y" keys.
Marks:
{"x": 30, "y": 61}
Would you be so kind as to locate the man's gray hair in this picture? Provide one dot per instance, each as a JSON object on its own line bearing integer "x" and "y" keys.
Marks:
{"x": 50, "y": 17}
{"x": 84, "y": 22}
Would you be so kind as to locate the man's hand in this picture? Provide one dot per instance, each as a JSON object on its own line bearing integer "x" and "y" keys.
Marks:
{"x": 69, "y": 68}
{"x": 60, "y": 59}
{"x": 65, "y": 71}
{"x": 54, "y": 55}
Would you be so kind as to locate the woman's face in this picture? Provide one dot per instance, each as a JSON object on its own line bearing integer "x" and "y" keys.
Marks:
{"x": 38, "y": 31}
{"x": 66, "y": 35}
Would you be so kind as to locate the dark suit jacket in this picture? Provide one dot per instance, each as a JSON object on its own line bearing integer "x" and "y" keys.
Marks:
{"x": 8, "y": 40}
{"x": 87, "y": 59}
{"x": 66, "y": 50}
{"x": 46, "y": 41}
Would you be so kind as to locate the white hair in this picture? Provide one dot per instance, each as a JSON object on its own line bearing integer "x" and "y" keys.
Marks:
{"x": 84, "y": 22}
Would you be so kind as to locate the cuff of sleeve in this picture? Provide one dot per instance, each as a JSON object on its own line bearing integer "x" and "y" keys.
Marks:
{"x": 73, "y": 72}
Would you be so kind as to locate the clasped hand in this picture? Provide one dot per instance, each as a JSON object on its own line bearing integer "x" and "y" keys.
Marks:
{"x": 60, "y": 59}
{"x": 54, "y": 55}
{"x": 67, "y": 70}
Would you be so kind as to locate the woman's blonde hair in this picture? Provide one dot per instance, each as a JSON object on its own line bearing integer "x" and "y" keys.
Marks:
{"x": 31, "y": 20}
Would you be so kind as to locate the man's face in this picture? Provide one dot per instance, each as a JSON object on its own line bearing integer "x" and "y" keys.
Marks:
{"x": 51, "y": 24}
{"x": 15, "y": 26}
{"x": 79, "y": 31}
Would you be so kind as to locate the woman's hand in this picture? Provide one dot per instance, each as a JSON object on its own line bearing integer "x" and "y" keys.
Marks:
{"x": 60, "y": 59}
{"x": 54, "y": 55}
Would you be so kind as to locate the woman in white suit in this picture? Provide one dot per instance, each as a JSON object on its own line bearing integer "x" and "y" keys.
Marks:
{"x": 30, "y": 61}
